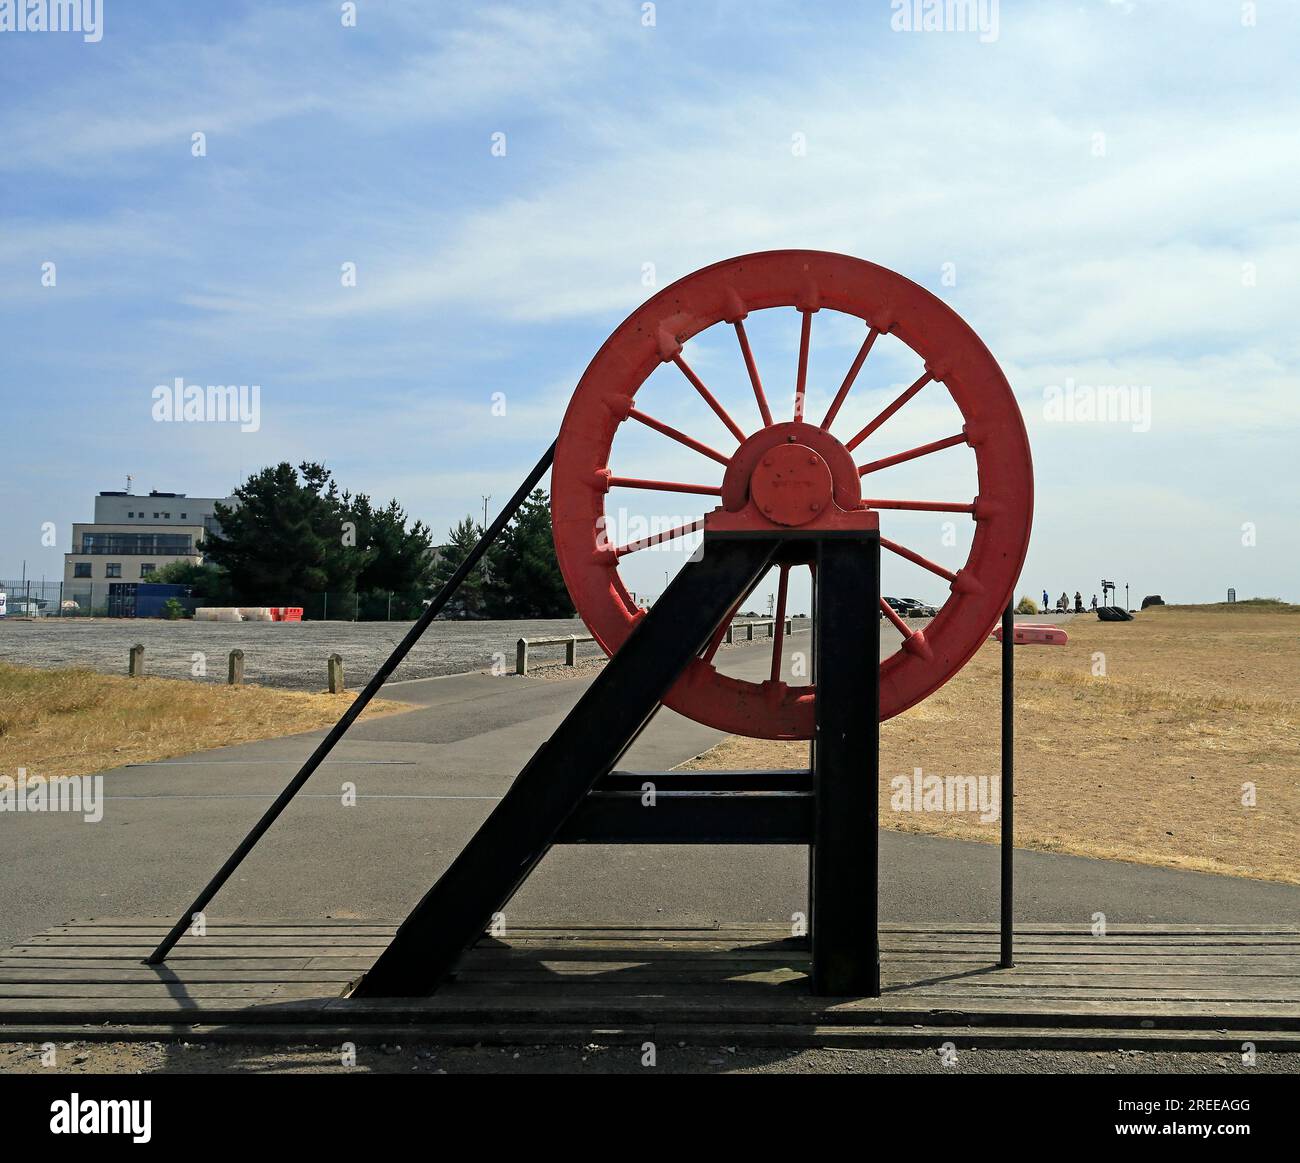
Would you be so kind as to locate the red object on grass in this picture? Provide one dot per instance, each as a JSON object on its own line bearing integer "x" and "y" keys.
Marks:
{"x": 1031, "y": 634}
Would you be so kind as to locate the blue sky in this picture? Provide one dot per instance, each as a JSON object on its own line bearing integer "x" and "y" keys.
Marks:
{"x": 1167, "y": 259}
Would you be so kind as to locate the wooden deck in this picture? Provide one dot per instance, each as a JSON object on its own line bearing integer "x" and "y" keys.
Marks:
{"x": 1152, "y": 986}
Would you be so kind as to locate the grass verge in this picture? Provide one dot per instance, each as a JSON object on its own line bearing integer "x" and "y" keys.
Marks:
{"x": 1137, "y": 741}
{"x": 74, "y": 721}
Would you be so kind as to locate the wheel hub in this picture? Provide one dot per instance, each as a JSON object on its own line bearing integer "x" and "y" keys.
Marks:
{"x": 791, "y": 484}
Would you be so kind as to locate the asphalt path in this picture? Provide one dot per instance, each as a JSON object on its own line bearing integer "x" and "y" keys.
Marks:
{"x": 424, "y": 780}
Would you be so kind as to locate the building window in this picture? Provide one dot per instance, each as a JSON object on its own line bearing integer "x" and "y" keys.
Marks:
{"x": 81, "y": 569}
{"x": 113, "y": 569}
{"x": 183, "y": 516}
{"x": 167, "y": 516}
{"x": 147, "y": 568}
{"x": 130, "y": 514}
{"x": 137, "y": 544}
{"x": 155, "y": 516}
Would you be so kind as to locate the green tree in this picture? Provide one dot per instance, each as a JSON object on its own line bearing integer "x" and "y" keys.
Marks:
{"x": 288, "y": 537}
{"x": 208, "y": 582}
{"x": 524, "y": 579}
{"x": 402, "y": 562}
{"x": 471, "y": 598}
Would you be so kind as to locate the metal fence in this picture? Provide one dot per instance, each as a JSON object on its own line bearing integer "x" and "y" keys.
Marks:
{"x": 33, "y": 598}
{"x": 42, "y": 598}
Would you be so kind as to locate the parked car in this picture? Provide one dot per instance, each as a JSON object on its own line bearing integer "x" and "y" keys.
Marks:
{"x": 920, "y": 609}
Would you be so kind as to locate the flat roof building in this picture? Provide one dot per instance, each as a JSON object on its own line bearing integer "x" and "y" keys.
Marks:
{"x": 130, "y": 538}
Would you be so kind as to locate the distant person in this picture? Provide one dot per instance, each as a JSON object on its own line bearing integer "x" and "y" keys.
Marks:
{"x": 1047, "y": 605}
{"x": 1078, "y": 602}
{"x": 1063, "y": 602}
{"x": 1094, "y": 601}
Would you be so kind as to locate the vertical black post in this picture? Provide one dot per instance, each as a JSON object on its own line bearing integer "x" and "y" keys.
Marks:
{"x": 846, "y": 774}
{"x": 812, "y": 750}
{"x": 1008, "y": 780}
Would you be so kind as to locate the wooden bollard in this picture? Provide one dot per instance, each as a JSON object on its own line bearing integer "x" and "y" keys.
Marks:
{"x": 571, "y": 651}
{"x": 729, "y": 635}
{"x": 749, "y": 631}
{"x": 235, "y": 671}
{"x": 335, "y": 664}
{"x": 135, "y": 664}
{"x": 521, "y": 656}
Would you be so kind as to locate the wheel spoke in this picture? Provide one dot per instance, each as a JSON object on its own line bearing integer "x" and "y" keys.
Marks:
{"x": 913, "y": 640}
{"x": 664, "y": 486}
{"x": 680, "y": 437}
{"x": 709, "y": 398}
{"x": 659, "y": 538}
{"x": 888, "y": 412}
{"x": 801, "y": 381}
{"x": 778, "y": 630}
{"x": 913, "y": 556}
{"x": 854, "y": 368}
{"x": 892, "y": 615}
{"x": 912, "y": 453}
{"x": 922, "y": 506}
{"x": 752, "y": 368}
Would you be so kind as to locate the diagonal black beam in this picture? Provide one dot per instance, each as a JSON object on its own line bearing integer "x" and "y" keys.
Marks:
{"x": 349, "y": 716}
{"x": 583, "y": 749}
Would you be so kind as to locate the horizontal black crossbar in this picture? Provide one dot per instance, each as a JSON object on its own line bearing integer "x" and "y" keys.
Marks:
{"x": 790, "y": 779}
{"x": 696, "y": 816}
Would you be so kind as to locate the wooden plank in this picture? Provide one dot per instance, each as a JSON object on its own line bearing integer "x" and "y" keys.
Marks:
{"x": 332, "y": 967}
{"x": 542, "y": 1009}
{"x": 782, "y": 1036}
{"x": 158, "y": 991}
{"x": 162, "y": 924}
{"x": 749, "y": 980}
{"x": 107, "y": 976}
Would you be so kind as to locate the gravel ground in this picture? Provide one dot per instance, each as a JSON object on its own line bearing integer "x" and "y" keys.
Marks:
{"x": 193, "y": 1058}
{"x": 277, "y": 654}
{"x": 290, "y": 654}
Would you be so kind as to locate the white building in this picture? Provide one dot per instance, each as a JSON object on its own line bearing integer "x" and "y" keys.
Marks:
{"x": 130, "y": 538}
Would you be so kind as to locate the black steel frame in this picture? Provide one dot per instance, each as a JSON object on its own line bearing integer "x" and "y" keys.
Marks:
{"x": 569, "y": 793}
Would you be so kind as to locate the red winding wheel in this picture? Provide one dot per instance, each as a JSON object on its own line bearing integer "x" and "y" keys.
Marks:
{"x": 796, "y": 473}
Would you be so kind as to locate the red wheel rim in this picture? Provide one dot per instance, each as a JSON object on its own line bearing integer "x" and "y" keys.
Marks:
{"x": 809, "y": 281}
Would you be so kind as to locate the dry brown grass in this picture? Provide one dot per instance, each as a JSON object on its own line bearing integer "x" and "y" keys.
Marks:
{"x": 1144, "y": 764}
{"x": 76, "y": 722}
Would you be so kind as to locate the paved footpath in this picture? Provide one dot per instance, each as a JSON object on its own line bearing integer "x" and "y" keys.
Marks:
{"x": 425, "y": 780}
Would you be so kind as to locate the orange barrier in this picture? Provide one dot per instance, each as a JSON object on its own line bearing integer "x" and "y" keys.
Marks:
{"x": 1031, "y": 634}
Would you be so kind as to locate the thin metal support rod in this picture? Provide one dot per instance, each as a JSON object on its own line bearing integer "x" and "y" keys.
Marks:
{"x": 1008, "y": 782}
{"x": 349, "y": 716}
